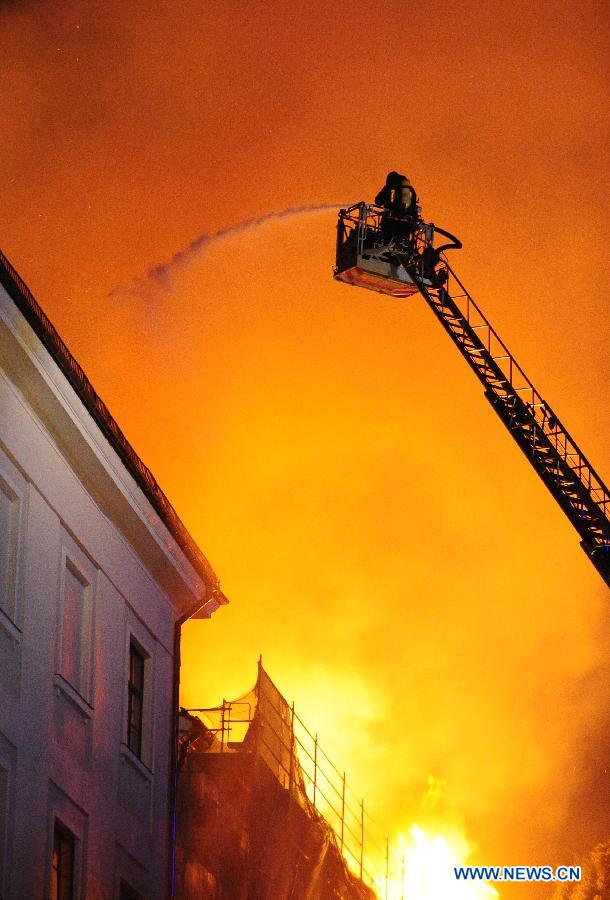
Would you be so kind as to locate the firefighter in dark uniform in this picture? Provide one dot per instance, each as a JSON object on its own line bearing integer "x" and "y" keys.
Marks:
{"x": 399, "y": 200}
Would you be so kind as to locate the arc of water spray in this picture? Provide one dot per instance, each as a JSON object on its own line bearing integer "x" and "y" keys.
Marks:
{"x": 161, "y": 274}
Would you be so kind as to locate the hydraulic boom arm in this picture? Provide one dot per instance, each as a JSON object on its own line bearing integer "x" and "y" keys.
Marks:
{"x": 380, "y": 251}
{"x": 551, "y": 450}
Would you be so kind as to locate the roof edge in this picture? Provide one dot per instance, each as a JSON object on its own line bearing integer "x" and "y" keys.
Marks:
{"x": 97, "y": 409}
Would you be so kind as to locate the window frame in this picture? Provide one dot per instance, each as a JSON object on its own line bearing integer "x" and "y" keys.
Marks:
{"x": 138, "y": 635}
{"x": 63, "y": 810}
{"x": 136, "y": 652}
{"x": 61, "y": 831}
{"x": 74, "y": 559}
{"x": 127, "y": 891}
{"x": 14, "y": 484}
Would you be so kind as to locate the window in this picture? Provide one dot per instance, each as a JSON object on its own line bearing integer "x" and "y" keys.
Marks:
{"x": 62, "y": 867}
{"x": 9, "y": 532}
{"x": 126, "y": 892}
{"x": 3, "y": 821}
{"x": 135, "y": 706}
{"x": 137, "y": 745}
{"x": 76, "y": 613}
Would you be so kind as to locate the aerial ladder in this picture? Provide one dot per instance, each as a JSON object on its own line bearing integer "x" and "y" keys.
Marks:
{"x": 406, "y": 263}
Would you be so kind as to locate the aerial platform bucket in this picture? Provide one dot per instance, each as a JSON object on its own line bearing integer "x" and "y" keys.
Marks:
{"x": 364, "y": 258}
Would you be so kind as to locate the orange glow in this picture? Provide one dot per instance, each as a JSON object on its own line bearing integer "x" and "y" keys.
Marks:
{"x": 383, "y": 542}
{"x": 429, "y": 861}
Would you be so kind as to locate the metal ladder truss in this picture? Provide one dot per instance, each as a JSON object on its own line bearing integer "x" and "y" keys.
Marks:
{"x": 551, "y": 450}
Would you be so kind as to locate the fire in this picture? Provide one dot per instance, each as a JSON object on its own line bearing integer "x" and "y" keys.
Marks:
{"x": 424, "y": 870}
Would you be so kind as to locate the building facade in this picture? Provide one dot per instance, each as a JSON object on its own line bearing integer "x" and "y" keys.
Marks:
{"x": 96, "y": 575}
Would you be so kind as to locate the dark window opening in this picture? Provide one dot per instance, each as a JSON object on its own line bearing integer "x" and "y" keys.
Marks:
{"x": 62, "y": 868}
{"x": 136, "y": 700}
{"x": 126, "y": 892}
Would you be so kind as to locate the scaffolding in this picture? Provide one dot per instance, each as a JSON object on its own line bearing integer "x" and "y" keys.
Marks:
{"x": 261, "y": 724}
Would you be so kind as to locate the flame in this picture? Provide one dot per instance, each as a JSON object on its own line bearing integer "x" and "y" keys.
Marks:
{"x": 426, "y": 869}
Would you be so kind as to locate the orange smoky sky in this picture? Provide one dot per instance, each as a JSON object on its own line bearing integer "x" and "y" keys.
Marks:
{"x": 383, "y": 542}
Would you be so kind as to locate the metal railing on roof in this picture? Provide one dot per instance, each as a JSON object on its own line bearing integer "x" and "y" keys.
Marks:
{"x": 264, "y": 723}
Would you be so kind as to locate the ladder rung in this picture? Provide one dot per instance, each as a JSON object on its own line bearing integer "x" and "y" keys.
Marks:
{"x": 550, "y": 450}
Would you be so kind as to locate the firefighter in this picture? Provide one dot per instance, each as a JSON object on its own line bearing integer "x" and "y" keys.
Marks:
{"x": 399, "y": 199}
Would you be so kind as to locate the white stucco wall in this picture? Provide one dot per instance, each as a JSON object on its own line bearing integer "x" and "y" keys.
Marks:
{"x": 63, "y": 752}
